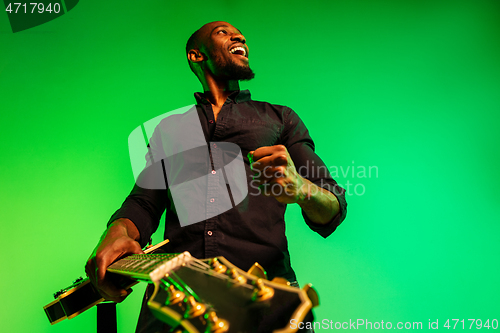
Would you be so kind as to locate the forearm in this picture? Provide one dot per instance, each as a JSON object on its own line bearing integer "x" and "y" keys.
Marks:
{"x": 320, "y": 205}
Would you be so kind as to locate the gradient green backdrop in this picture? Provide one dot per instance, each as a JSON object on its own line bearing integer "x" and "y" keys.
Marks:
{"x": 409, "y": 87}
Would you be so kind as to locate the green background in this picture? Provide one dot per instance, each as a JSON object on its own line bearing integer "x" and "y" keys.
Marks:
{"x": 409, "y": 87}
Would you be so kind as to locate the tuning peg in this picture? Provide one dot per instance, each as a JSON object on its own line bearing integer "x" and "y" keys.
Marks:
{"x": 194, "y": 308}
{"x": 216, "y": 324}
{"x": 258, "y": 271}
{"x": 312, "y": 294}
{"x": 59, "y": 293}
{"x": 233, "y": 273}
{"x": 281, "y": 280}
{"x": 175, "y": 296}
{"x": 80, "y": 279}
{"x": 217, "y": 266}
{"x": 262, "y": 292}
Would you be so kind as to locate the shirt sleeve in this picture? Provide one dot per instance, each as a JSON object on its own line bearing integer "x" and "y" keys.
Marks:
{"x": 148, "y": 199}
{"x": 296, "y": 139}
{"x": 144, "y": 208}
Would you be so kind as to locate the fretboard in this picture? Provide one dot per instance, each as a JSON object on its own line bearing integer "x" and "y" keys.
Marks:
{"x": 149, "y": 267}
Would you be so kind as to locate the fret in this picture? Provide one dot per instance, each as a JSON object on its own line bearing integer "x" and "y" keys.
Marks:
{"x": 149, "y": 267}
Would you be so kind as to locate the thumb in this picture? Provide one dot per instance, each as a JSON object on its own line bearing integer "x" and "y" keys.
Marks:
{"x": 134, "y": 248}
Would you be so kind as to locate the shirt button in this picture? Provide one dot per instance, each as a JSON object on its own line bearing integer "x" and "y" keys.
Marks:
{"x": 209, "y": 233}
{"x": 214, "y": 145}
{"x": 211, "y": 121}
{"x": 212, "y": 200}
{"x": 214, "y": 172}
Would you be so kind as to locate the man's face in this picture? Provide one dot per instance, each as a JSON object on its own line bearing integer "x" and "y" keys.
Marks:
{"x": 227, "y": 51}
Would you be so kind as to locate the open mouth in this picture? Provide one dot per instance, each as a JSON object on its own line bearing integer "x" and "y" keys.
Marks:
{"x": 239, "y": 51}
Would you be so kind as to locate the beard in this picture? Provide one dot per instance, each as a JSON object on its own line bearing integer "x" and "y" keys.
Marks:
{"x": 232, "y": 71}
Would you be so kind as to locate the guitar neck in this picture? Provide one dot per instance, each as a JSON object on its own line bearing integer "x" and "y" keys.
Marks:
{"x": 188, "y": 292}
{"x": 149, "y": 267}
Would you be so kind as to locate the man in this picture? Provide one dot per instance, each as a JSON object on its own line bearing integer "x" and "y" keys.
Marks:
{"x": 276, "y": 145}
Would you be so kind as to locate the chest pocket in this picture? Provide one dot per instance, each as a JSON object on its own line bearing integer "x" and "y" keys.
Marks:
{"x": 252, "y": 134}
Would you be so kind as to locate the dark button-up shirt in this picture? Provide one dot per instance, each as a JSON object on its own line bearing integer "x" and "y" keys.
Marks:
{"x": 254, "y": 229}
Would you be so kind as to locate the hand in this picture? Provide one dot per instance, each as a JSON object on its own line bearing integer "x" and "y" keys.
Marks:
{"x": 117, "y": 241}
{"x": 276, "y": 176}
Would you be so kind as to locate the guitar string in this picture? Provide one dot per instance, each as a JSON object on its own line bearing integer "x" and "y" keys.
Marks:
{"x": 185, "y": 286}
{"x": 206, "y": 268}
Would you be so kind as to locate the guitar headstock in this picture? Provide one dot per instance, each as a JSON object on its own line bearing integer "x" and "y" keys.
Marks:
{"x": 215, "y": 296}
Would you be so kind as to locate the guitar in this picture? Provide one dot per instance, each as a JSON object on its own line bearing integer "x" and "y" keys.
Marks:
{"x": 82, "y": 295}
{"x": 198, "y": 296}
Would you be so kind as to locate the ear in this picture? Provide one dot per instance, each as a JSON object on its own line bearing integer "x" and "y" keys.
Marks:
{"x": 195, "y": 55}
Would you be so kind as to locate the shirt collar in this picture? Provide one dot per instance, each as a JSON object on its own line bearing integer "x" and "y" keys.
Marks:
{"x": 237, "y": 96}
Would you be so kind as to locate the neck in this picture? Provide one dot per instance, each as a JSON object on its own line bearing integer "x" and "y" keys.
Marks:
{"x": 216, "y": 89}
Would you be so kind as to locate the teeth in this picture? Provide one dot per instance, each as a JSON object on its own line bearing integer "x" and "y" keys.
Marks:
{"x": 238, "y": 48}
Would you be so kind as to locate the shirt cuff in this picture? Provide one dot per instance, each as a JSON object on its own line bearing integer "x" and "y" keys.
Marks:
{"x": 143, "y": 225}
{"x": 327, "y": 229}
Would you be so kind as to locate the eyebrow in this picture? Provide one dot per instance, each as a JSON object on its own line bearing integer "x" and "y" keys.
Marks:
{"x": 225, "y": 26}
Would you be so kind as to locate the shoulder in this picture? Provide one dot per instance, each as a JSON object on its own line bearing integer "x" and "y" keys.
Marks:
{"x": 281, "y": 111}
{"x": 267, "y": 104}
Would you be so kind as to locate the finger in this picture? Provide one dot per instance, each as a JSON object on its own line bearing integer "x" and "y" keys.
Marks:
{"x": 275, "y": 159}
{"x": 270, "y": 172}
{"x": 263, "y": 176}
{"x": 135, "y": 249}
{"x": 90, "y": 271}
{"x": 263, "y": 151}
{"x": 128, "y": 248}
{"x": 272, "y": 184}
{"x": 110, "y": 290}
{"x": 106, "y": 289}
{"x": 102, "y": 265}
{"x": 263, "y": 164}
{"x": 116, "y": 299}
{"x": 268, "y": 150}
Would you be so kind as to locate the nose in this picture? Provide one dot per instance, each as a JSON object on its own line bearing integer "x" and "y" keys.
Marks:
{"x": 238, "y": 37}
